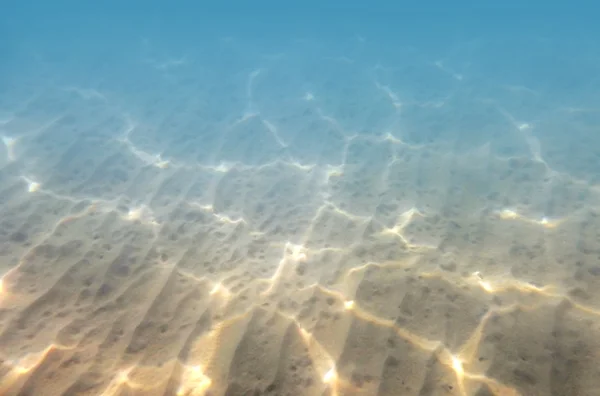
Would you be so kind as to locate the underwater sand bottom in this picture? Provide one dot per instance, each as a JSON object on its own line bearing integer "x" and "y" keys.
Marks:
{"x": 253, "y": 292}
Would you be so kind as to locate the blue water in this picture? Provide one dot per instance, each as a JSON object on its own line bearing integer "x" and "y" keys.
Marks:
{"x": 411, "y": 184}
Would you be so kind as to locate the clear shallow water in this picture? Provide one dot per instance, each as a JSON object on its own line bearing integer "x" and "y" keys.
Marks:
{"x": 253, "y": 198}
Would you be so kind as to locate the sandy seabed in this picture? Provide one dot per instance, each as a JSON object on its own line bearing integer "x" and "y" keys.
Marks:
{"x": 268, "y": 234}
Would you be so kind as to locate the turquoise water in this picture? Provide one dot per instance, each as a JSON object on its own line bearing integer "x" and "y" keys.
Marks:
{"x": 320, "y": 198}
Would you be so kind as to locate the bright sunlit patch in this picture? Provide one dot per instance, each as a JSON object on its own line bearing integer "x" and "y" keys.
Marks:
{"x": 457, "y": 366}
{"x": 294, "y": 252}
{"x": 220, "y": 289}
{"x": 123, "y": 376}
{"x": 298, "y": 255}
{"x": 228, "y": 220}
{"x": 29, "y": 362}
{"x": 134, "y": 214}
{"x": 22, "y": 370}
{"x": 222, "y": 168}
{"x": 162, "y": 164}
{"x": 391, "y": 138}
{"x": 508, "y": 214}
{"x": 524, "y": 126}
{"x": 194, "y": 381}
{"x": 547, "y": 223}
{"x": 305, "y": 334}
{"x": 330, "y": 376}
{"x": 335, "y": 171}
{"x": 486, "y": 286}
{"x": 349, "y": 305}
{"x": 531, "y": 287}
{"x": 9, "y": 143}
{"x": 33, "y": 186}
{"x": 217, "y": 288}
{"x": 142, "y": 214}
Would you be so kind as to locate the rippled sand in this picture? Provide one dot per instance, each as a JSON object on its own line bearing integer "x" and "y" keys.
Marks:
{"x": 296, "y": 225}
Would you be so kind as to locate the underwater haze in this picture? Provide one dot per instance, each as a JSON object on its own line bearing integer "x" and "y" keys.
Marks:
{"x": 313, "y": 198}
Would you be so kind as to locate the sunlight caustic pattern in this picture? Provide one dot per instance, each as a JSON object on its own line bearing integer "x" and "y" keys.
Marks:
{"x": 294, "y": 234}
